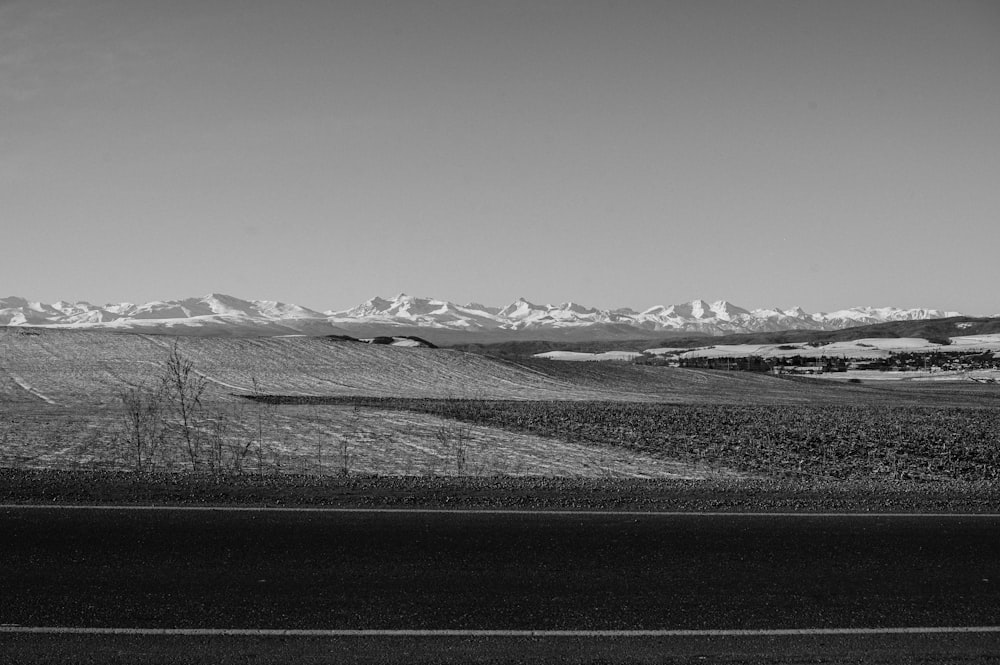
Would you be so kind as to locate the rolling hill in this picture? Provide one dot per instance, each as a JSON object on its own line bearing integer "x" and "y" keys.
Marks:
{"x": 72, "y": 369}
{"x": 930, "y": 329}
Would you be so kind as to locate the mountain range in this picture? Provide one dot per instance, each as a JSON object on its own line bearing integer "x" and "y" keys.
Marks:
{"x": 439, "y": 320}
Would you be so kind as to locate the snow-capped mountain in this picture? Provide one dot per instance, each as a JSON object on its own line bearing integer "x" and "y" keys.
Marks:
{"x": 404, "y": 314}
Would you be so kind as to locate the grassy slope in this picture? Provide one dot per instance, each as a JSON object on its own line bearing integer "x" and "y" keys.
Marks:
{"x": 80, "y": 372}
{"x": 89, "y": 367}
{"x": 76, "y": 368}
{"x": 83, "y": 367}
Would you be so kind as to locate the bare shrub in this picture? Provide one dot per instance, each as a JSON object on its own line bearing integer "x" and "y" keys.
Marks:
{"x": 216, "y": 432}
{"x": 141, "y": 425}
{"x": 182, "y": 389}
{"x": 240, "y": 444}
{"x": 227, "y": 442}
{"x": 173, "y": 415}
{"x": 345, "y": 456}
{"x": 356, "y": 431}
{"x": 454, "y": 439}
{"x": 259, "y": 405}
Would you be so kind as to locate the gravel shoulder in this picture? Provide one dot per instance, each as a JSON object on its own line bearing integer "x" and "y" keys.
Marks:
{"x": 50, "y": 487}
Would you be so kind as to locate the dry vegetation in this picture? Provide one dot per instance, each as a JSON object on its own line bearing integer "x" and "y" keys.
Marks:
{"x": 119, "y": 401}
{"x": 74, "y": 399}
{"x": 837, "y": 442}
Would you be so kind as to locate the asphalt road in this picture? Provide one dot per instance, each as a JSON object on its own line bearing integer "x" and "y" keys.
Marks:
{"x": 435, "y": 571}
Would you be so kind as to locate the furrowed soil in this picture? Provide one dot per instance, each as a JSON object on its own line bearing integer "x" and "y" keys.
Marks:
{"x": 332, "y": 409}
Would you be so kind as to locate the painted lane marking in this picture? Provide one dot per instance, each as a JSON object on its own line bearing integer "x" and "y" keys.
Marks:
{"x": 477, "y": 511}
{"x": 306, "y": 632}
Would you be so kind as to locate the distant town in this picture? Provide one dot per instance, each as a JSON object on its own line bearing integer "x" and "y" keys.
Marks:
{"x": 937, "y": 361}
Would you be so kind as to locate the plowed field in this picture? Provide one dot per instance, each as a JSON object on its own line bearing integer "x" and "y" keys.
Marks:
{"x": 61, "y": 408}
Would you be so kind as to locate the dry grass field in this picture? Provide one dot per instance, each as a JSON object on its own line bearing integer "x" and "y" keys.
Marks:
{"x": 61, "y": 397}
{"x": 62, "y": 408}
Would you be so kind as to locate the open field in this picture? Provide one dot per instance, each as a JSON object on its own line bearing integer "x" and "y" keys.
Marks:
{"x": 834, "y": 441}
{"x": 61, "y": 399}
{"x": 83, "y": 367}
{"x": 80, "y": 366}
{"x": 329, "y": 440}
{"x": 491, "y": 495}
{"x": 342, "y": 408}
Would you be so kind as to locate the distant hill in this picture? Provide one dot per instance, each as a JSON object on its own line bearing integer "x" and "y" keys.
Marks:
{"x": 930, "y": 329}
{"x": 86, "y": 370}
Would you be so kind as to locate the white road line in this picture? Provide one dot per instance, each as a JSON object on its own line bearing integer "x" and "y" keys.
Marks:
{"x": 477, "y": 511}
{"x": 264, "y": 632}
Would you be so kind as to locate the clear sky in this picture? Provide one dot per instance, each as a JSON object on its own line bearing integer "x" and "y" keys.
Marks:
{"x": 822, "y": 154}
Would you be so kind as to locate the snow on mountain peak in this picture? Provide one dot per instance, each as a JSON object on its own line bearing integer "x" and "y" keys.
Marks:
{"x": 520, "y": 308}
{"x": 477, "y": 307}
{"x": 216, "y": 311}
{"x": 576, "y": 308}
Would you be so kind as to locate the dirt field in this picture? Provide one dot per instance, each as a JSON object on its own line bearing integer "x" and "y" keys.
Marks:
{"x": 61, "y": 407}
{"x": 60, "y": 392}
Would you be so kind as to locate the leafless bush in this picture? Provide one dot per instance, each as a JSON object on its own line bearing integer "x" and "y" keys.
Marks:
{"x": 182, "y": 389}
{"x": 345, "y": 456}
{"x": 259, "y": 405}
{"x": 454, "y": 439}
{"x": 141, "y": 426}
{"x": 228, "y": 442}
{"x": 171, "y": 412}
{"x": 216, "y": 432}
{"x": 239, "y": 446}
{"x": 356, "y": 431}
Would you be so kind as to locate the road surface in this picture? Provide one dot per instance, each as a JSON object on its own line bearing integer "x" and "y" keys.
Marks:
{"x": 503, "y": 584}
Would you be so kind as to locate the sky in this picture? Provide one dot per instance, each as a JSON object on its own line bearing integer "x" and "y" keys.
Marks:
{"x": 821, "y": 154}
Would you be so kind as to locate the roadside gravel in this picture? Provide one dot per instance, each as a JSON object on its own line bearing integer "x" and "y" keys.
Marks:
{"x": 48, "y": 487}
